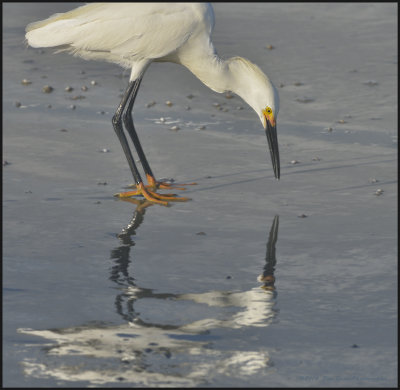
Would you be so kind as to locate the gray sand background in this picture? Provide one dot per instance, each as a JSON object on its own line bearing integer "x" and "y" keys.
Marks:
{"x": 175, "y": 300}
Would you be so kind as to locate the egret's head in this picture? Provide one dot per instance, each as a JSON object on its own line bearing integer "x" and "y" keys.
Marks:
{"x": 268, "y": 120}
{"x": 267, "y": 115}
{"x": 256, "y": 89}
{"x": 266, "y": 104}
{"x": 265, "y": 101}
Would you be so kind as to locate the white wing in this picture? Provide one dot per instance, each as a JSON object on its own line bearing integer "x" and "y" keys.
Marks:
{"x": 120, "y": 32}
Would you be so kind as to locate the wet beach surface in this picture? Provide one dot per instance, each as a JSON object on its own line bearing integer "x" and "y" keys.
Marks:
{"x": 255, "y": 282}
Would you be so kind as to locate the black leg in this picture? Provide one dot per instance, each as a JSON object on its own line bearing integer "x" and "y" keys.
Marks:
{"x": 117, "y": 124}
{"x": 123, "y": 114}
{"x": 128, "y": 121}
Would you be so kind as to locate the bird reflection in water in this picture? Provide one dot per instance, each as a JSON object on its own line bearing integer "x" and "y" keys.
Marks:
{"x": 150, "y": 353}
{"x": 120, "y": 256}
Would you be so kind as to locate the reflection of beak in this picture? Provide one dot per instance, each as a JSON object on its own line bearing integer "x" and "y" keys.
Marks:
{"x": 272, "y": 138}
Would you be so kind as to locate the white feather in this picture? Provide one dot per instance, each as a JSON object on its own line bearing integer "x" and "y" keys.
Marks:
{"x": 135, "y": 34}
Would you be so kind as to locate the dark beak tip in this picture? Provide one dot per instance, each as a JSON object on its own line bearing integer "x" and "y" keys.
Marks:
{"x": 273, "y": 148}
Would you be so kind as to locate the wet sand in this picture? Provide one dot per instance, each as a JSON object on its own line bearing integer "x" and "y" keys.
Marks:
{"x": 103, "y": 292}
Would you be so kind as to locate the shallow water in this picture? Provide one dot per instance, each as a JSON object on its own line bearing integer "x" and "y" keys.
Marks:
{"x": 103, "y": 292}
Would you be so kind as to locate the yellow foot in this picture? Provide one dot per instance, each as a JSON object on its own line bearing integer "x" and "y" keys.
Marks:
{"x": 163, "y": 185}
{"x": 152, "y": 196}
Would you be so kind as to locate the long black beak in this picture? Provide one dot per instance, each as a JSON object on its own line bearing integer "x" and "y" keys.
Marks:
{"x": 272, "y": 138}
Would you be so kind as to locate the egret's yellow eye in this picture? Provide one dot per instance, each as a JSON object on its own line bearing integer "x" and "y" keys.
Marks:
{"x": 267, "y": 111}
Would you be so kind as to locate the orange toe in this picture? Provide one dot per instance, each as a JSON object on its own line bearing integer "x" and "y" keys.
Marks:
{"x": 152, "y": 196}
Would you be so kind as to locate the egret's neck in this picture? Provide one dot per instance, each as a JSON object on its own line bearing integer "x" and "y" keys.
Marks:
{"x": 212, "y": 70}
{"x": 235, "y": 74}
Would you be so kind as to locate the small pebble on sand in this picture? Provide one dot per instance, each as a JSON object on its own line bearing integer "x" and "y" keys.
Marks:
{"x": 371, "y": 83}
{"x": 47, "y": 89}
{"x": 305, "y": 99}
{"x": 26, "y": 82}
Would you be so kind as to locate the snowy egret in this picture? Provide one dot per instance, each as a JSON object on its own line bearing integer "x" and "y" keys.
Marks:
{"x": 134, "y": 35}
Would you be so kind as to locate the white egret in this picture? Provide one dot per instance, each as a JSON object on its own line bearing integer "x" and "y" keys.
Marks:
{"x": 135, "y": 34}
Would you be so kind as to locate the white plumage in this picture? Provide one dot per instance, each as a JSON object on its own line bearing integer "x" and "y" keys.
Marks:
{"x": 135, "y": 34}
{"x": 123, "y": 33}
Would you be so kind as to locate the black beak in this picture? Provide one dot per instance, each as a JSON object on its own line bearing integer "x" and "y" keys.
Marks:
{"x": 272, "y": 138}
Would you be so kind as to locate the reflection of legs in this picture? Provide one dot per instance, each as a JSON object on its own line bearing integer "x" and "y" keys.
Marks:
{"x": 128, "y": 121}
{"x": 117, "y": 124}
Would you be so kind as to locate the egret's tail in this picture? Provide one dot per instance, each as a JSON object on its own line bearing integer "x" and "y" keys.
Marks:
{"x": 49, "y": 35}
{"x": 58, "y": 29}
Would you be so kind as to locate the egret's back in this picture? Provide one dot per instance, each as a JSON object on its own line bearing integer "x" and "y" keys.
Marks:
{"x": 120, "y": 32}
